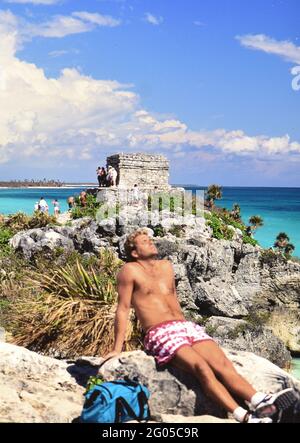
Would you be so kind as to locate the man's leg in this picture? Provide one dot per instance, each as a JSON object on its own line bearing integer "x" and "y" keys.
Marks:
{"x": 188, "y": 360}
{"x": 263, "y": 404}
{"x": 222, "y": 367}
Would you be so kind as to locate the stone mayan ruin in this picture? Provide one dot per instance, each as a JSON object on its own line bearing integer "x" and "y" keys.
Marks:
{"x": 145, "y": 170}
{"x": 149, "y": 171}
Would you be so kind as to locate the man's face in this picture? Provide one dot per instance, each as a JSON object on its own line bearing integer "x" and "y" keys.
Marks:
{"x": 144, "y": 247}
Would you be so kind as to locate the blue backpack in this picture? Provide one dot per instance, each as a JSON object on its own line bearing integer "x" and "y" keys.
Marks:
{"x": 116, "y": 402}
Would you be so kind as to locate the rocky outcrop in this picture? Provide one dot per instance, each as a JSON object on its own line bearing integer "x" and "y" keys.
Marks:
{"x": 285, "y": 323}
{"x": 184, "y": 395}
{"x": 83, "y": 235}
{"x": 280, "y": 297}
{"x": 213, "y": 277}
{"x": 2, "y": 334}
{"x": 35, "y": 388}
{"x": 243, "y": 335}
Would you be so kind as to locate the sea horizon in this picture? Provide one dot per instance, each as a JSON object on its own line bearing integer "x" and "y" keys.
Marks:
{"x": 70, "y": 184}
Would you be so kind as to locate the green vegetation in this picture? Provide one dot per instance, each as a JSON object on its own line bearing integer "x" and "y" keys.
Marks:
{"x": 213, "y": 192}
{"x": 220, "y": 220}
{"x": 5, "y": 236}
{"x": 31, "y": 183}
{"x": 158, "y": 231}
{"x": 69, "y": 309}
{"x": 210, "y": 330}
{"x": 249, "y": 240}
{"x": 283, "y": 246}
{"x": 20, "y": 221}
{"x": 235, "y": 213}
{"x": 90, "y": 210}
{"x": 270, "y": 258}
{"x": 220, "y": 229}
{"x": 256, "y": 222}
{"x": 15, "y": 223}
{"x": 257, "y": 318}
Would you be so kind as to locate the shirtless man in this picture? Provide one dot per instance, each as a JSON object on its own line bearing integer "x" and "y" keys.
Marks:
{"x": 147, "y": 284}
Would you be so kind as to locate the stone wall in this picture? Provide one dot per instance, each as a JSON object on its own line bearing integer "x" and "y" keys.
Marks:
{"x": 146, "y": 170}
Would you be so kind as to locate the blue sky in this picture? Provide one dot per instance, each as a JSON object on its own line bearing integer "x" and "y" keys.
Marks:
{"x": 208, "y": 83}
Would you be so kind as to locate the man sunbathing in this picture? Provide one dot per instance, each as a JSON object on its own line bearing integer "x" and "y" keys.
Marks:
{"x": 147, "y": 284}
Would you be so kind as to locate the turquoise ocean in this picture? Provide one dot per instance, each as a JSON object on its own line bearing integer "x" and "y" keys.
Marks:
{"x": 279, "y": 208}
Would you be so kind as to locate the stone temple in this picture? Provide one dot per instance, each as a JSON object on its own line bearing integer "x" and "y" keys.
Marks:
{"x": 145, "y": 170}
{"x": 149, "y": 171}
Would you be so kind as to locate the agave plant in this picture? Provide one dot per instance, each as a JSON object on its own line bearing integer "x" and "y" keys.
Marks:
{"x": 74, "y": 313}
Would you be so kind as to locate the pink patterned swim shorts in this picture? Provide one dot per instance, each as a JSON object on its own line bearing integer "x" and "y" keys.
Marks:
{"x": 163, "y": 340}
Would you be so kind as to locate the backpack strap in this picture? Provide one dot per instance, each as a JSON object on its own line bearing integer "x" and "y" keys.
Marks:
{"x": 143, "y": 402}
{"x": 121, "y": 404}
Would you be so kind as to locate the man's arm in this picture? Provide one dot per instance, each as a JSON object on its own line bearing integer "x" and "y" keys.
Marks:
{"x": 125, "y": 284}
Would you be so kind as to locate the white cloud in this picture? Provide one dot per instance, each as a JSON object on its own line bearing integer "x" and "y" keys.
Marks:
{"x": 58, "y": 26}
{"x": 78, "y": 22}
{"x": 74, "y": 116}
{"x": 198, "y": 23}
{"x": 152, "y": 19}
{"x": 97, "y": 19}
{"x": 61, "y": 52}
{"x": 261, "y": 42}
{"x": 34, "y": 2}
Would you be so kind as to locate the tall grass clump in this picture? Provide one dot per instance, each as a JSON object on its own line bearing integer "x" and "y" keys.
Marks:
{"x": 74, "y": 311}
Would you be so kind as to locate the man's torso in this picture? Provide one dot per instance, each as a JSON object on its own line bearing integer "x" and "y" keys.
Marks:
{"x": 153, "y": 294}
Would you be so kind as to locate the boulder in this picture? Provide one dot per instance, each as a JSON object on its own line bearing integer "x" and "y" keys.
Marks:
{"x": 36, "y": 389}
{"x": 40, "y": 389}
{"x": 185, "y": 396}
{"x": 37, "y": 240}
{"x": 242, "y": 335}
{"x": 2, "y": 334}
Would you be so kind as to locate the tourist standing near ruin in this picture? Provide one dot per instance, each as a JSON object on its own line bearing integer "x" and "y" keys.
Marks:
{"x": 112, "y": 176}
{"x": 101, "y": 175}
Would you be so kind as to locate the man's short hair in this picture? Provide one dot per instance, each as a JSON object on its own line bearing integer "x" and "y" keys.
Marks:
{"x": 129, "y": 244}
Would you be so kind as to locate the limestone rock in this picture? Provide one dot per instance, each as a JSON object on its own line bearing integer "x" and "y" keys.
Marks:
{"x": 2, "y": 334}
{"x": 241, "y": 335}
{"x": 38, "y": 240}
{"x": 184, "y": 396}
{"x": 40, "y": 389}
{"x": 36, "y": 389}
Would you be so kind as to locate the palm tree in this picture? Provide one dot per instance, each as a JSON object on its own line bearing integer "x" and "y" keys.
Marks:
{"x": 236, "y": 212}
{"x": 288, "y": 250}
{"x": 256, "y": 221}
{"x": 214, "y": 192}
{"x": 282, "y": 241}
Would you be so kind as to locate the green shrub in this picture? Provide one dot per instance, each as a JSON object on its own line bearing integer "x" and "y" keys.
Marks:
{"x": 220, "y": 230}
{"x": 5, "y": 236}
{"x": 21, "y": 222}
{"x": 249, "y": 240}
{"x": 158, "y": 231}
{"x": 90, "y": 210}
